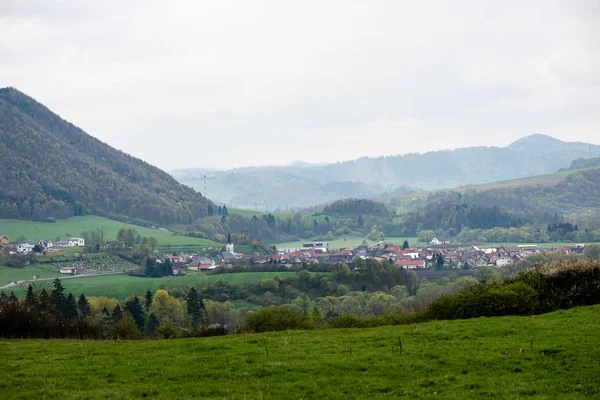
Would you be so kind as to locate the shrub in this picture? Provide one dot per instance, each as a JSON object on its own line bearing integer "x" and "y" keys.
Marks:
{"x": 276, "y": 319}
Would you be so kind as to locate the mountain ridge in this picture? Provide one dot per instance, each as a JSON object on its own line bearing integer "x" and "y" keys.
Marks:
{"x": 53, "y": 169}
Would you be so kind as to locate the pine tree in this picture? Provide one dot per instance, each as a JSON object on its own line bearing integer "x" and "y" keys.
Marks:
{"x": 193, "y": 306}
{"x": 152, "y": 325}
{"x": 219, "y": 210}
{"x": 134, "y": 307}
{"x": 30, "y": 298}
{"x": 117, "y": 314}
{"x": 405, "y": 245}
{"x": 148, "y": 299}
{"x": 83, "y": 306}
{"x": 70, "y": 307}
{"x": 57, "y": 296}
{"x": 225, "y": 212}
{"x": 12, "y": 298}
{"x": 44, "y": 301}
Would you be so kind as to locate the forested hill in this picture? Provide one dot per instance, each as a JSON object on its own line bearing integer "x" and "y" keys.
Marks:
{"x": 306, "y": 185}
{"x": 49, "y": 168}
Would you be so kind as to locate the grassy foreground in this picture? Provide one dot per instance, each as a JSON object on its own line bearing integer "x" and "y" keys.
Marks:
{"x": 549, "y": 356}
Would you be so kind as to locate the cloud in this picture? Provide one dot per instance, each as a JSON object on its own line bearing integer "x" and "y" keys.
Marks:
{"x": 222, "y": 83}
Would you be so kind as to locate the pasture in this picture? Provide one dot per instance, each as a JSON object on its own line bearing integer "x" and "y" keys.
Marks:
{"x": 122, "y": 286}
{"x": 72, "y": 227}
{"x": 351, "y": 242}
{"x": 549, "y": 356}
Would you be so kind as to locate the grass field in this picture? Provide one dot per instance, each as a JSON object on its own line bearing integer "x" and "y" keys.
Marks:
{"x": 18, "y": 274}
{"x": 33, "y": 230}
{"x": 553, "y": 356}
{"x": 122, "y": 286}
{"x": 350, "y": 242}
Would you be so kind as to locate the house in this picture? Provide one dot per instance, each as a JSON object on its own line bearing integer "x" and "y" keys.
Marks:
{"x": 68, "y": 270}
{"x": 63, "y": 243}
{"x": 46, "y": 243}
{"x": 25, "y": 247}
{"x": 203, "y": 264}
{"x": 39, "y": 249}
{"x": 504, "y": 262}
{"x": 439, "y": 240}
{"x": 410, "y": 264}
{"x": 229, "y": 248}
{"x": 77, "y": 242}
{"x": 3, "y": 239}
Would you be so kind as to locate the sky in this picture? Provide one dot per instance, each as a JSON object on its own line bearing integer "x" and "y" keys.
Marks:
{"x": 223, "y": 84}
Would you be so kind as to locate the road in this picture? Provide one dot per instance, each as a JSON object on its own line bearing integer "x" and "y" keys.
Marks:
{"x": 16, "y": 283}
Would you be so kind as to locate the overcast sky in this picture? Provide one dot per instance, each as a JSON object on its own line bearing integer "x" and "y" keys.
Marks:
{"x": 234, "y": 83}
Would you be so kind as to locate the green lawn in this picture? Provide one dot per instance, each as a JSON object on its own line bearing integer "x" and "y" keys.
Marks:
{"x": 553, "y": 356}
{"x": 70, "y": 227}
{"x": 8, "y": 275}
{"x": 351, "y": 242}
{"x": 122, "y": 286}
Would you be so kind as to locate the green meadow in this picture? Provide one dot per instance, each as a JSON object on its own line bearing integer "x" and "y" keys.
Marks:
{"x": 70, "y": 227}
{"x": 122, "y": 286}
{"x": 552, "y": 356}
{"x": 351, "y": 242}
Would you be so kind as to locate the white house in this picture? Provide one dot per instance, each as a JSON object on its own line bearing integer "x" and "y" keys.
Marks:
{"x": 25, "y": 248}
{"x": 504, "y": 262}
{"x": 77, "y": 242}
{"x": 46, "y": 243}
{"x": 68, "y": 270}
{"x": 63, "y": 243}
{"x": 229, "y": 247}
{"x": 439, "y": 240}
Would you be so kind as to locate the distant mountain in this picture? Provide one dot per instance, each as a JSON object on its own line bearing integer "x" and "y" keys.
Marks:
{"x": 302, "y": 185}
{"x": 49, "y": 168}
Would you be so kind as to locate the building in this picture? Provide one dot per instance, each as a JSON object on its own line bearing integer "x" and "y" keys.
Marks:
{"x": 504, "y": 262}
{"x": 3, "y": 239}
{"x": 77, "y": 242}
{"x": 323, "y": 246}
{"x": 25, "y": 247}
{"x": 63, "y": 243}
{"x": 439, "y": 240}
{"x": 46, "y": 243}
{"x": 411, "y": 264}
{"x": 68, "y": 270}
{"x": 229, "y": 248}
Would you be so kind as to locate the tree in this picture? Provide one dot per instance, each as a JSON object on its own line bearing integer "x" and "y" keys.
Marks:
{"x": 225, "y": 212}
{"x": 593, "y": 252}
{"x": 30, "y": 299}
{"x": 70, "y": 307}
{"x": 148, "y": 298}
{"x": 152, "y": 325}
{"x": 134, "y": 307}
{"x": 117, "y": 314}
{"x": 57, "y": 296}
{"x": 439, "y": 261}
{"x": 44, "y": 301}
{"x": 83, "y": 306}
{"x": 126, "y": 328}
{"x": 405, "y": 245}
{"x": 193, "y": 307}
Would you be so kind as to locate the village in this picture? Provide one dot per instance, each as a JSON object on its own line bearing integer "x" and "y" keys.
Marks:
{"x": 438, "y": 254}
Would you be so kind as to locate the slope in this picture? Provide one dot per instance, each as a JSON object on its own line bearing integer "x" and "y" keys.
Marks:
{"x": 548, "y": 356}
{"x": 52, "y": 169}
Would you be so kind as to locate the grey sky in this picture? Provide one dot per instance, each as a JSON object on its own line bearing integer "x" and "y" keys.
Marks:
{"x": 233, "y": 83}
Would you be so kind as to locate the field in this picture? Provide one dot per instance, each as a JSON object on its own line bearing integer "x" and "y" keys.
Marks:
{"x": 350, "y": 242}
{"x": 70, "y": 227}
{"x": 550, "y": 356}
{"x": 18, "y": 274}
{"x": 122, "y": 286}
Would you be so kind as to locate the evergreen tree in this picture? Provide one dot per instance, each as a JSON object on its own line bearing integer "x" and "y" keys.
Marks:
{"x": 219, "y": 210}
{"x": 225, "y": 212}
{"x": 3, "y": 296}
{"x": 30, "y": 298}
{"x": 12, "y": 298}
{"x": 44, "y": 301}
{"x": 57, "y": 296}
{"x": 70, "y": 307}
{"x": 439, "y": 262}
{"x": 83, "y": 306}
{"x": 148, "y": 298}
{"x": 117, "y": 314}
{"x": 193, "y": 306}
{"x": 152, "y": 325}
{"x": 134, "y": 307}
{"x": 405, "y": 245}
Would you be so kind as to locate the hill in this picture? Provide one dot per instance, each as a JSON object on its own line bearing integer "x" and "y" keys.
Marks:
{"x": 506, "y": 357}
{"x": 51, "y": 169}
{"x": 302, "y": 185}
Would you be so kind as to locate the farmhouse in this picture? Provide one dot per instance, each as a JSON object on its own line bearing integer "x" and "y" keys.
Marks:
{"x": 411, "y": 264}
{"x": 63, "y": 243}
{"x": 78, "y": 242}
{"x": 25, "y": 247}
{"x": 439, "y": 240}
{"x": 45, "y": 242}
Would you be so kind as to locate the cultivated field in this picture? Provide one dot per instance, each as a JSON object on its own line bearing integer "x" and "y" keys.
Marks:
{"x": 550, "y": 356}
{"x": 72, "y": 227}
{"x": 122, "y": 286}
